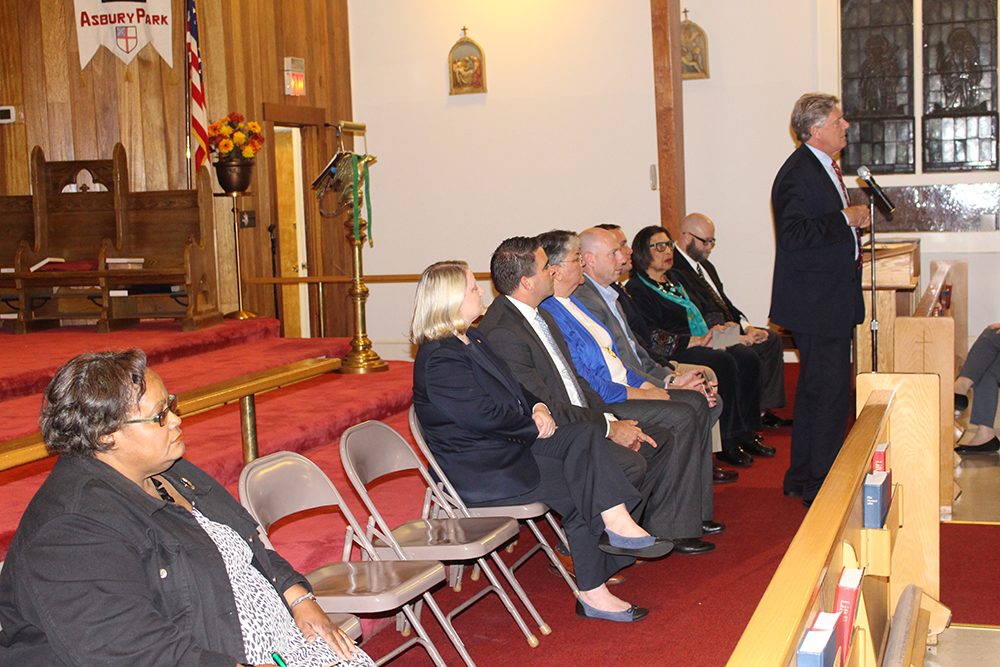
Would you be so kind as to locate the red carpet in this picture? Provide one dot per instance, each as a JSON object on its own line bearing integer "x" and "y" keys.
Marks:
{"x": 699, "y": 604}
{"x": 970, "y": 581}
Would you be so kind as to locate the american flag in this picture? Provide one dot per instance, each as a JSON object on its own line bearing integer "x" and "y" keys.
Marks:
{"x": 199, "y": 116}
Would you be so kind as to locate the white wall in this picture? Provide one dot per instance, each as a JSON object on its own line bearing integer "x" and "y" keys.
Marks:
{"x": 563, "y": 139}
{"x": 566, "y": 134}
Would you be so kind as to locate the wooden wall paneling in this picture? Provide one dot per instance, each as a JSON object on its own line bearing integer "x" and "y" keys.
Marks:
{"x": 36, "y": 117}
{"x": 130, "y": 122}
{"x": 102, "y": 84}
{"x": 174, "y": 87}
{"x": 340, "y": 318}
{"x": 669, "y": 110}
{"x": 13, "y": 137}
{"x": 215, "y": 46}
{"x": 154, "y": 137}
{"x": 55, "y": 37}
{"x": 82, "y": 109}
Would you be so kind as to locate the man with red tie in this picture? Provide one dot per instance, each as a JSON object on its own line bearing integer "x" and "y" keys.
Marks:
{"x": 816, "y": 291}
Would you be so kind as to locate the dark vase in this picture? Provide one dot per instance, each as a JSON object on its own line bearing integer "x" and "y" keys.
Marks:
{"x": 234, "y": 175}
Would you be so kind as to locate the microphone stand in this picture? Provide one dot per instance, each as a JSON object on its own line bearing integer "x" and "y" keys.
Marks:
{"x": 871, "y": 241}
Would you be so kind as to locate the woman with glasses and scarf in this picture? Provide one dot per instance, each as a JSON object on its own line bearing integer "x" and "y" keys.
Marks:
{"x": 678, "y": 332}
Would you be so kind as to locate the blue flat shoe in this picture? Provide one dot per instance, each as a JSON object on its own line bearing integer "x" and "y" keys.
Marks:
{"x": 637, "y": 547}
{"x": 630, "y": 615}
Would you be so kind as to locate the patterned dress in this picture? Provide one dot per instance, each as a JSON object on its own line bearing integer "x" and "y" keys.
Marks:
{"x": 266, "y": 624}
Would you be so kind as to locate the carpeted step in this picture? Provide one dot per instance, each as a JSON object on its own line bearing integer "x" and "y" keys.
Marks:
{"x": 23, "y": 372}
{"x": 19, "y": 416}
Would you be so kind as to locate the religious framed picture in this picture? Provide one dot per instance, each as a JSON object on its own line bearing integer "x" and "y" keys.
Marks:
{"x": 694, "y": 51}
{"x": 466, "y": 67}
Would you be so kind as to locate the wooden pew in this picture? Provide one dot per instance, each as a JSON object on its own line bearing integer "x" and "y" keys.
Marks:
{"x": 934, "y": 339}
{"x": 172, "y": 231}
{"x": 16, "y": 228}
{"x": 898, "y": 408}
{"x": 31, "y": 447}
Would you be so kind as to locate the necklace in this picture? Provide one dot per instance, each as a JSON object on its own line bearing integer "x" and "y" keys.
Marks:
{"x": 162, "y": 491}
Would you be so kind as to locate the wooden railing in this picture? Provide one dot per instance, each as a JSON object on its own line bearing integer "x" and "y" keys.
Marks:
{"x": 897, "y": 408}
{"x": 31, "y": 447}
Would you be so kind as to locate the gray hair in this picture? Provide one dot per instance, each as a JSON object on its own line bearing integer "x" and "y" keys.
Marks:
{"x": 812, "y": 109}
{"x": 559, "y": 243}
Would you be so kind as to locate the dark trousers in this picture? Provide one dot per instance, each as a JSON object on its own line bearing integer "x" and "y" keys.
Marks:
{"x": 738, "y": 372}
{"x": 772, "y": 371}
{"x": 679, "y": 469}
{"x": 580, "y": 479}
{"x": 982, "y": 366}
{"x": 822, "y": 405}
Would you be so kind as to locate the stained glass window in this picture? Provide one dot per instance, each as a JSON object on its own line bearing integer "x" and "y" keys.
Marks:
{"x": 960, "y": 85}
{"x": 877, "y": 80}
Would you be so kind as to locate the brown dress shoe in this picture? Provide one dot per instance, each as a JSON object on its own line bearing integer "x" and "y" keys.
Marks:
{"x": 720, "y": 476}
{"x": 567, "y": 562}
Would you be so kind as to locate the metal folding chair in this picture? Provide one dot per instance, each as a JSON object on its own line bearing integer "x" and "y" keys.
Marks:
{"x": 524, "y": 513}
{"x": 371, "y": 450}
{"x": 285, "y": 483}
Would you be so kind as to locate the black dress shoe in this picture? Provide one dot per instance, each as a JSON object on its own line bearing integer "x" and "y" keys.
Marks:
{"x": 759, "y": 449}
{"x": 637, "y": 547}
{"x": 712, "y": 527}
{"x": 807, "y": 503}
{"x": 692, "y": 546}
{"x": 720, "y": 476}
{"x": 735, "y": 457}
{"x": 985, "y": 448}
{"x": 792, "y": 493}
{"x": 961, "y": 402}
{"x": 630, "y": 615}
{"x": 771, "y": 420}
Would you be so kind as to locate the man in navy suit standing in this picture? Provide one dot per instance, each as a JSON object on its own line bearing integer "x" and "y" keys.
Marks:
{"x": 816, "y": 292}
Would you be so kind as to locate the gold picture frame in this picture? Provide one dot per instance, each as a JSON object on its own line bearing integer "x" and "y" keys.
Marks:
{"x": 466, "y": 67}
{"x": 694, "y": 51}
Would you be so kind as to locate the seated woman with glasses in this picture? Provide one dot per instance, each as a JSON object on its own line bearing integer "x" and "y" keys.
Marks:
{"x": 499, "y": 446}
{"x": 678, "y": 332}
{"x": 129, "y": 555}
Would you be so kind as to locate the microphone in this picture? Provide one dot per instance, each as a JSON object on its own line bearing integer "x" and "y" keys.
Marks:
{"x": 866, "y": 175}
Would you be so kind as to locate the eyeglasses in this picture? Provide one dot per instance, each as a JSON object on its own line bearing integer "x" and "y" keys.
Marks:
{"x": 571, "y": 262}
{"x": 662, "y": 245}
{"x": 160, "y": 418}
{"x": 710, "y": 242}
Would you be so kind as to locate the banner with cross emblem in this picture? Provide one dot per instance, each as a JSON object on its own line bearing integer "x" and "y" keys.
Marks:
{"x": 124, "y": 28}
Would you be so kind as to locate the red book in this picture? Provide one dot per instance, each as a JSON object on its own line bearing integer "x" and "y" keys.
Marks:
{"x": 848, "y": 589}
{"x": 878, "y": 458}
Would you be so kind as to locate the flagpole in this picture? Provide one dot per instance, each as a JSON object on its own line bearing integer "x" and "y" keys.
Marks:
{"x": 187, "y": 92}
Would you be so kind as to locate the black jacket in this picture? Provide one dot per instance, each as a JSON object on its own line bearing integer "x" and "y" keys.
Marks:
{"x": 101, "y": 573}
{"x": 476, "y": 419}
{"x": 817, "y": 282}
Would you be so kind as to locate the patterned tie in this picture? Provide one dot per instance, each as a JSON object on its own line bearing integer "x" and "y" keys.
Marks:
{"x": 572, "y": 386}
{"x": 843, "y": 189}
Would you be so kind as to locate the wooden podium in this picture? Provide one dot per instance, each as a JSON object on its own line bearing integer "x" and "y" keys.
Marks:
{"x": 897, "y": 269}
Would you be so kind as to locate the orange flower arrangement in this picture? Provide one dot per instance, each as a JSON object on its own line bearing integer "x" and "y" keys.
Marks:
{"x": 233, "y": 138}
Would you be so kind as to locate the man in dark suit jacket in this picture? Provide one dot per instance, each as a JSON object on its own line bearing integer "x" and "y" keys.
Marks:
{"x": 816, "y": 291}
{"x": 679, "y": 506}
{"x": 705, "y": 288}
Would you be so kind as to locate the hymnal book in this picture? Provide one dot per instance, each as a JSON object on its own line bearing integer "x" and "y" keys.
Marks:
{"x": 848, "y": 589}
{"x": 878, "y": 458}
{"x": 818, "y": 649}
{"x": 876, "y": 498}
{"x": 827, "y": 620}
{"x": 725, "y": 337}
{"x": 47, "y": 260}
